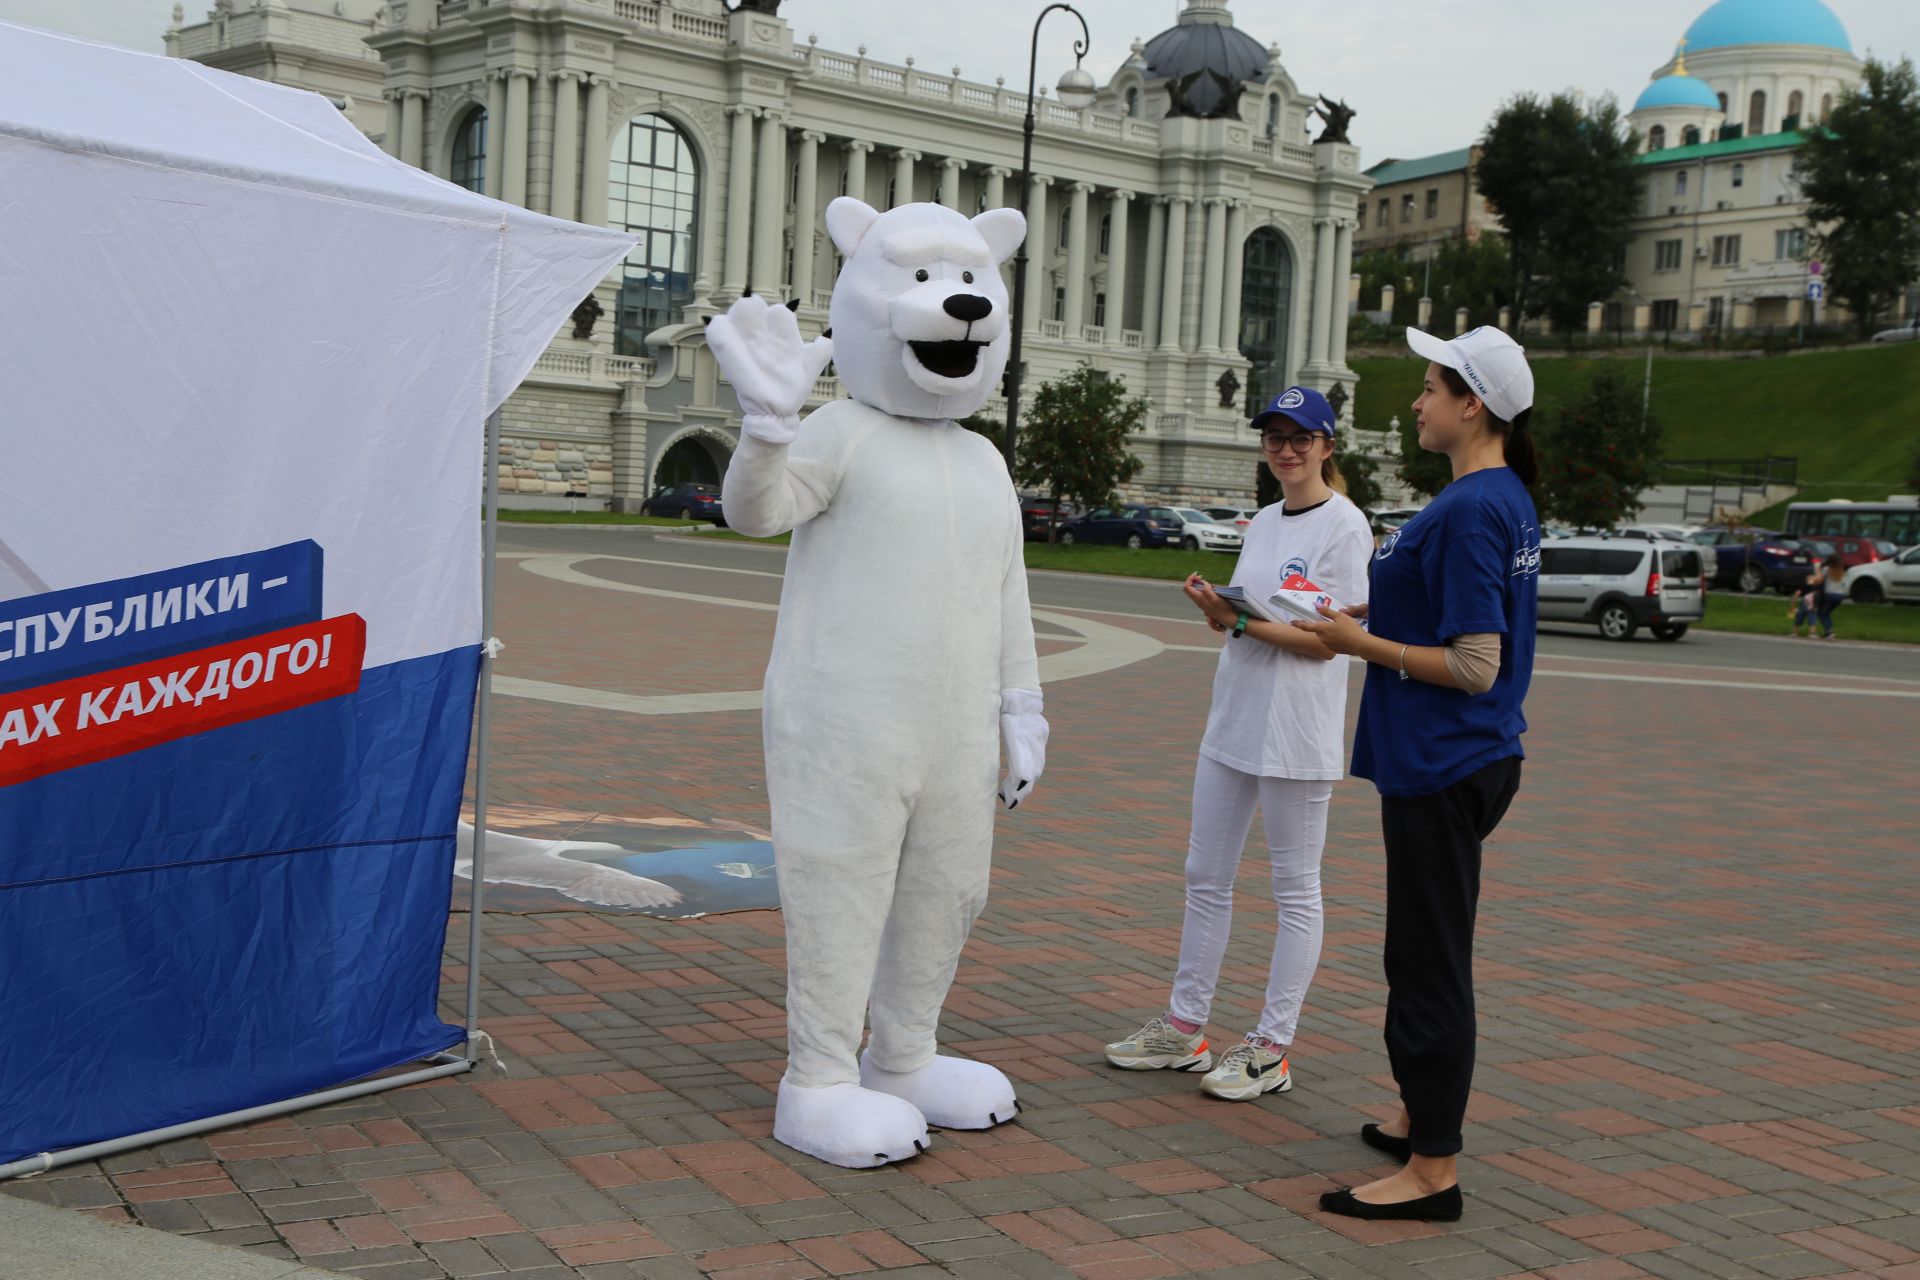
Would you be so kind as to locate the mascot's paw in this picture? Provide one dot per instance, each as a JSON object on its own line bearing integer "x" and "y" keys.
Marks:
{"x": 952, "y": 1093}
{"x": 847, "y": 1125}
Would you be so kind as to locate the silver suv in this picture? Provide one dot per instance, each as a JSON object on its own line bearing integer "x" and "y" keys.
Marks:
{"x": 1622, "y": 584}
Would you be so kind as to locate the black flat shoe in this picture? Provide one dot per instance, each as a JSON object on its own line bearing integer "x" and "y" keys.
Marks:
{"x": 1400, "y": 1149}
{"x": 1441, "y": 1206}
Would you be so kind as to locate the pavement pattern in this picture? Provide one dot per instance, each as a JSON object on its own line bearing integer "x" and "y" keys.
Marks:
{"x": 1698, "y": 975}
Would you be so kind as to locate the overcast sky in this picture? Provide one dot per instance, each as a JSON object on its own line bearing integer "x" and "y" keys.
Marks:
{"x": 1424, "y": 76}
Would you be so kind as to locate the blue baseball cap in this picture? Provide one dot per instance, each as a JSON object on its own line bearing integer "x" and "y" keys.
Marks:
{"x": 1302, "y": 406}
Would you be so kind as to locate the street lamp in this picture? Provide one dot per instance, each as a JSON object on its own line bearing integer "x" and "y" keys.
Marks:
{"x": 1076, "y": 90}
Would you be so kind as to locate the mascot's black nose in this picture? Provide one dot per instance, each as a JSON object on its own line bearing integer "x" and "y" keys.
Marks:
{"x": 968, "y": 307}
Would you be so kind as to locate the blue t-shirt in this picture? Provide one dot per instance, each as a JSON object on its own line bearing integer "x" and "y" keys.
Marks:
{"x": 1469, "y": 563}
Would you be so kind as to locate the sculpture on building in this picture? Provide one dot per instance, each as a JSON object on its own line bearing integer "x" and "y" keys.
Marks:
{"x": 585, "y": 316}
{"x": 1338, "y": 116}
{"x": 754, "y": 6}
{"x": 1229, "y": 384}
{"x": 1204, "y": 93}
{"x": 903, "y": 659}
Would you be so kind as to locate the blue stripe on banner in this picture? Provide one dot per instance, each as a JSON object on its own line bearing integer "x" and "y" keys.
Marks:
{"x": 61, "y": 634}
{"x": 234, "y": 918}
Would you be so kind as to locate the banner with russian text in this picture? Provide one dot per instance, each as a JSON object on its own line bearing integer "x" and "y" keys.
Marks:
{"x": 247, "y": 359}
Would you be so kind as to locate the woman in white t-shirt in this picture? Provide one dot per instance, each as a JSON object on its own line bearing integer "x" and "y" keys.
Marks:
{"x": 1274, "y": 739}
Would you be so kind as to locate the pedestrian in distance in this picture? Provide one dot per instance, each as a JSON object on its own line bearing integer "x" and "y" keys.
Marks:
{"x": 1273, "y": 741}
{"x": 1826, "y": 591}
{"x": 1449, "y": 644}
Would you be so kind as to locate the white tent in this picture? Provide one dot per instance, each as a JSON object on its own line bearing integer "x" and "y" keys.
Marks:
{"x": 245, "y": 358}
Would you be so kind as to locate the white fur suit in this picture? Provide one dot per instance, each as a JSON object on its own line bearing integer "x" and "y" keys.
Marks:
{"x": 903, "y": 656}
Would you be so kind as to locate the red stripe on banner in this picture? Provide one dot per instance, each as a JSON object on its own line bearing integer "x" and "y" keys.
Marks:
{"x": 112, "y": 713}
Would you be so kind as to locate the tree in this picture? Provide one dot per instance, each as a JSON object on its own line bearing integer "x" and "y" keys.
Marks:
{"x": 1358, "y": 470}
{"x": 1600, "y": 455}
{"x": 1474, "y": 274}
{"x": 1562, "y": 181}
{"x": 1423, "y": 472}
{"x": 1860, "y": 172}
{"x": 1073, "y": 443}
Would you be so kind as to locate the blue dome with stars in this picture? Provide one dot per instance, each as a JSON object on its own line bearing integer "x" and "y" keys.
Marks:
{"x": 1742, "y": 22}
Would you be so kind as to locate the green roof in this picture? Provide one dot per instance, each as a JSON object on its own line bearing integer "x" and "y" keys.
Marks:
{"x": 1714, "y": 150}
{"x": 1388, "y": 171}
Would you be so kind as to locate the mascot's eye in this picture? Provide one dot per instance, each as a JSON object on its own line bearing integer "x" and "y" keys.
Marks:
{"x": 967, "y": 277}
{"x": 921, "y": 275}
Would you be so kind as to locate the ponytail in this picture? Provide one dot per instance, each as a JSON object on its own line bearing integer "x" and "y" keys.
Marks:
{"x": 1331, "y": 477}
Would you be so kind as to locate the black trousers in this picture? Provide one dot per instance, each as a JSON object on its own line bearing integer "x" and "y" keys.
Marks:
{"x": 1433, "y": 893}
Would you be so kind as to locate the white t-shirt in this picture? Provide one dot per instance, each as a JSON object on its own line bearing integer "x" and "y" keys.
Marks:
{"x": 1275, "y": 713}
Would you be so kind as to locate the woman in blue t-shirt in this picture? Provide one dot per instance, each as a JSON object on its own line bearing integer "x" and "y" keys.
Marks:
{"x": 1449, "y": 643}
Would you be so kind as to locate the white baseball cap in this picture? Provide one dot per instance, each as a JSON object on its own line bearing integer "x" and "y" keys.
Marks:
{"x": 1493, "y": 364}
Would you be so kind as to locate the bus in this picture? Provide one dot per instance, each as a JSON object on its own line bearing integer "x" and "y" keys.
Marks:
{"x": 1897, "y": 521}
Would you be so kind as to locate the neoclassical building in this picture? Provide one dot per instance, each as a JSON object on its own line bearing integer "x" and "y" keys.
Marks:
{"x": 1187, "y": 234}
{"x": 1721, "y": 241}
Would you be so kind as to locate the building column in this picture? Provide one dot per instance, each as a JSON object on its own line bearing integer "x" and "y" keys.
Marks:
{"x": 1075, "y": 314}
{"x": 596, "y": 155}
{"x": 1155, "y": 268}
{"x": 770, "y": 206}
{"x": 1320, "y": 346}
{"x": 997, "y": 176}
{"x": 806, "y": 200}
{"x": 950, "y": 183}
{"x": 1342, "y": 268}
{"x": 413, "y": 126}
{"x": 513, "y": 177}
{"x": 1215, "y": 279}
{"x": 496, "y": 133}
{"x": 1119, "y": 204}
{"x": 857, "y": 169}
{"x": 733, "y": 280}
{"x": 903, "y": 161}
{"x": 1038, "y": 282}
{"x": 1236, "y": 250}
{"x": 566, "y": 144}
{"x": 1173, "y": 280}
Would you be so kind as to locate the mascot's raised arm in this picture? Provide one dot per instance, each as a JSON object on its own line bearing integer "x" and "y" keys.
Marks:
{"x": 902, "y": 659}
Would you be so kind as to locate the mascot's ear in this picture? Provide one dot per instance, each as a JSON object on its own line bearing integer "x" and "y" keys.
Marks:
{"x": 1002, "y": 229}
{"x": 847, "y": 222}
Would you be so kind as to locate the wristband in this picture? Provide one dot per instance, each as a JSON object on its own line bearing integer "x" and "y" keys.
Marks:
{"x": 1403, "y": 663}
{"x": 1240, "y": 627}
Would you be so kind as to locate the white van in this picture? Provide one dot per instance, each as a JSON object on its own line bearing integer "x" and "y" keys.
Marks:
{"x": 1622, "y": 584}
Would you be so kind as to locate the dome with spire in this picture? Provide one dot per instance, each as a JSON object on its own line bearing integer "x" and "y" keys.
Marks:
{"x": 1748, "y": 22}
{"x": 1677, "y": 90}
{"x": 1205, "y": 60}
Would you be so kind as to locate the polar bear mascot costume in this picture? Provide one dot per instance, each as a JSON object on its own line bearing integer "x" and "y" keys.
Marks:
{"x": 902, "y": 658}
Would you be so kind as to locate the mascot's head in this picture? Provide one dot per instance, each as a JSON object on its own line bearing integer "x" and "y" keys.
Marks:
{"x": 920, "y": 325}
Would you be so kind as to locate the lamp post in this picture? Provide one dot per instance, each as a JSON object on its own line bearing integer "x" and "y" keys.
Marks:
{"x": 1076, "y": 90}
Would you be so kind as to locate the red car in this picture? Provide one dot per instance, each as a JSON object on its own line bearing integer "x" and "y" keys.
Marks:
{"x": 1850, "y": 549}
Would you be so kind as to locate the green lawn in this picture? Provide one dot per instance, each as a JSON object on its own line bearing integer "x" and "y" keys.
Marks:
{"x": 1767, "y": 615}
{"x": 728, "y": 535}
{"x": 1147, "y": 562}
{"x": 589, "y": 517}
{"x": 1852, "y": 417}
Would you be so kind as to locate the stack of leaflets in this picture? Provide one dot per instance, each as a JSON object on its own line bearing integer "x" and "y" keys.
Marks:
{"x": 1252, "y": 606}
{"x": 1300, "y": 599}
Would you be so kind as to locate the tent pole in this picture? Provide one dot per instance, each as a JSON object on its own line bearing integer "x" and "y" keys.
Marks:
{"x": 489, "y": 538}
{"x": 446, "y": 1064}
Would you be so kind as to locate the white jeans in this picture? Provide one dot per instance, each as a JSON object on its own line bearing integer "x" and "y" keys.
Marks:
{"x": 1294, "y": 813}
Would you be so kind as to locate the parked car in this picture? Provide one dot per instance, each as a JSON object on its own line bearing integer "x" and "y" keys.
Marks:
{"x": 1850, "y": 549}
{"x": 1126, "y": 526}
{"x": 1904, "y": 333}
{"x": 1652, "y": 532}
{"x": 1238, "y": 517}
{"x": 687, "y": 501}
{"x": 1755, "y": 559}
{"x": 1620, "y": 585}
{"x": 1393, "y": 517}
{"x": 1201, "y": 532}
{"x": 1896, "y": 580}
{"x": 1037, "y": 513}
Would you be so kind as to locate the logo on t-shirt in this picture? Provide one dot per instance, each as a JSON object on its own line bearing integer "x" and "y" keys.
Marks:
{"x": 1296, "y": 565}
{"x": 1387, "y": 544}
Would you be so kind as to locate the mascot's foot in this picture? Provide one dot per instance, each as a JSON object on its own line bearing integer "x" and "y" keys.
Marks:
{"x": 847, "y": 1125}
{"x": 952, "y": 1093}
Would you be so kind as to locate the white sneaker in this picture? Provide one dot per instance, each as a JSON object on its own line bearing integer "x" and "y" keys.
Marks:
{"x": 1159, "y": 1046}
{"x": 1248, "y": 1070}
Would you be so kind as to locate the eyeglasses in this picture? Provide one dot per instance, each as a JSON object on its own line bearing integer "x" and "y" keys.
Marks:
{"x": 1275, "y": 441}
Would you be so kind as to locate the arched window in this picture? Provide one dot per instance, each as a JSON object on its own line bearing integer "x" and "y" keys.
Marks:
{"x": 1723, "y": 104}
{"x": 1133, "y": 102}
{"x": 1106, "y": 234}
{"x": 893, "y": 186}
{"x": 1657, "y": 138}
{"x": 1066, "y": 226}
{"x": 469, "y": 167}
{"x": 1690, "y": 136}
{"x": 653, "y": 190}
{"x": 1266, "y": 309}
{"x": 1273, "y": 115}
{"x": 1826, "y": 105}
{"x": 1796, "y": 107}
{"x": 1757, "y": 113}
